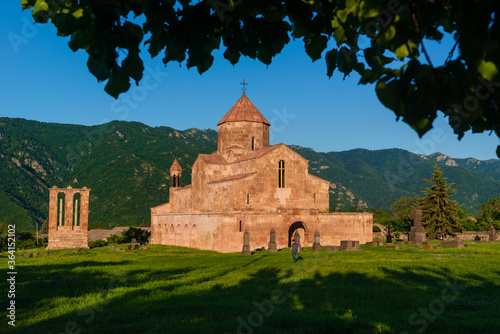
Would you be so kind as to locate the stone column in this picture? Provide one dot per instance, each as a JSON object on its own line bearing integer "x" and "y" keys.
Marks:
{"x": 317, "y": 244}
{"x": 296, "y": 236}
{"x": 417, "y": 232}
{"x": 493, "y": 234}
{"x": 246, "y": 244}
{"x": 272, "y": 247}
{"x": 84, "y": 208}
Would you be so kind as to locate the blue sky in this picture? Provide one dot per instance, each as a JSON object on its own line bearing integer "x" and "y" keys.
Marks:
{"x": 44, "y": 80}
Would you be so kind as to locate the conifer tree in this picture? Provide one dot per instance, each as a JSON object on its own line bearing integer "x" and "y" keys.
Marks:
{"x": 439, "y": 213}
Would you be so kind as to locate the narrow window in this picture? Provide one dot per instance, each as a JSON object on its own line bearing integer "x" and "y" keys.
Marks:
{"x": 240, "y": 225}
{"x": 76, "y": 209}
{"x": 176, "y": 181}
{"x": 281, "y": 174}
{"x": 248, "y": 199}
{"x": 61, "y": 203}
{"x": 253, "y": 143}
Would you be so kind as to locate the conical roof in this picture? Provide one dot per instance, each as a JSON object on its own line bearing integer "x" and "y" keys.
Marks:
{"x": 244, "y": 111}
{"x": 175, "y": 166}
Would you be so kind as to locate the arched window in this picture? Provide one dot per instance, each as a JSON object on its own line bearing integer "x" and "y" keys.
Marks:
{"x": 281, "y": 174}
{"x": 61, "y": 208}
{"x": 76, "y": 209}
{"x": 176, "y": 181}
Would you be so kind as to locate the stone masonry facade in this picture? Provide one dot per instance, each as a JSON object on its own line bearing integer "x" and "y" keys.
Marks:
{"x": 68, "y": 218}
{"x": 248, "y": 185}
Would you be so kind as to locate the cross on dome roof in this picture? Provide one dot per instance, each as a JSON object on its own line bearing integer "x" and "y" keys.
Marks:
{"x": 243, "y": 86}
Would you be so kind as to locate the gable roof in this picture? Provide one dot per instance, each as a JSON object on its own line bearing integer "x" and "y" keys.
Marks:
{"x": 264, "y": 151}
{"x": 244, "y": 111}
{"x": 212, "y": 159}
{"x": 259, "y": 153}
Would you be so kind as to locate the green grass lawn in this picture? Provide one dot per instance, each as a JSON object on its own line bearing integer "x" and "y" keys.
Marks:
{"x": 176, "y": 290}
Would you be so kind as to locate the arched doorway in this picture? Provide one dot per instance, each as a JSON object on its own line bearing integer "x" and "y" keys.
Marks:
{"x": 297, "y": 226}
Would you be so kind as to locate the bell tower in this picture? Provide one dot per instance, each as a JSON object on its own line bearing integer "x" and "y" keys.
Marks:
{"x": 175, "y": 174}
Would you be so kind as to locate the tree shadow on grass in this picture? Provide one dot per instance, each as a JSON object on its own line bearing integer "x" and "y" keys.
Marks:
{"x": 409, "y": 299}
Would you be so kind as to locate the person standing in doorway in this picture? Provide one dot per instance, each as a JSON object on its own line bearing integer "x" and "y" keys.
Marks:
{"x": 295, "y": 249}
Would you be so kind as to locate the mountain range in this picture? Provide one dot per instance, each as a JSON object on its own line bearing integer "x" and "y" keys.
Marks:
{"x": 125, "y": 164}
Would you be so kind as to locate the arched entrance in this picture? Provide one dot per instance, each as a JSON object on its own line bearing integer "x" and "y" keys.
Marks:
{"x": 301, "y": 229}
{"x": 382, "y": 228}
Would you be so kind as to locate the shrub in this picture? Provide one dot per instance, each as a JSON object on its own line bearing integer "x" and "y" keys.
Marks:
{"x": 135, "y": 233}
{"x": 97, "y": 243}
{"x": 115, "y": 239}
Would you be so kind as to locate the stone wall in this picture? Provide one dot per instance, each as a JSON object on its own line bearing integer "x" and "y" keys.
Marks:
{"x": 224, "y": 232}
{"x": 251, "y": 185}
{"x": 465, "y": 235}
{"x": 241, "y": 133}
{"x": 471, "y": 235}
{"x": 68, "y": 218}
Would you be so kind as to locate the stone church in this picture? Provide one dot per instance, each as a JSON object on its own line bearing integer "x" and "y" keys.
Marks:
{"x": 248, "y": 185}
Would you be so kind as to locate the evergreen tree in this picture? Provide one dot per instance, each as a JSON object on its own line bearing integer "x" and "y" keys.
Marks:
{"x": 490, "y": 214}
{"x": 440, "y": 215}
{"x": 45, "y": 227}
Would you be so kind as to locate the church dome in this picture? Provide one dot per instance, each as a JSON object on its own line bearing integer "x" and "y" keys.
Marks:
{"x": 243, "y": 111}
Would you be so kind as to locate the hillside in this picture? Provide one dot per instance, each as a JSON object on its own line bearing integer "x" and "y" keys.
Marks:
{"x": 378, "y": 178}
{"x": 125, "y": 164}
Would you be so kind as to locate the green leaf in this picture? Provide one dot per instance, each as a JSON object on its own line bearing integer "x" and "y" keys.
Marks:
{"x": 406, "y": 50}
{"x": 315, "y": 46}
{"x": 133, "y": 32}
{"x": 488, "y": 70}
{"x": 346, "y": 60}
{"x": 26, "y": 4}
{"x": 233, "y": 57}
{"x": 331, "y": 61}
{"x": 371, "y": 58}
{"x": 99, "y": 68}
{"x": 78, "y": 13}
{"x": 133, "y": 65}
{"x": 77, "y": 40}
{"x": 40, "y": 12}
{"x": 118, "y": 83}
{"x": 389, "y": 94}
{"x": 338, "y": 31}
{"x": 368, "y": 76}
{"x": 342, "y": 14}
